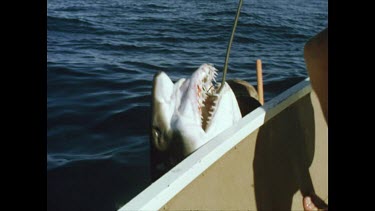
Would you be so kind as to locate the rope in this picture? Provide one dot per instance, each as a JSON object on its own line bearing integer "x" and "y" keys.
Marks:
{"x": 230, "y": 45}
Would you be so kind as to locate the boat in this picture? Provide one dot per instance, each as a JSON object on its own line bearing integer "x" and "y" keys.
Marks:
{"x": 269, "y": 160}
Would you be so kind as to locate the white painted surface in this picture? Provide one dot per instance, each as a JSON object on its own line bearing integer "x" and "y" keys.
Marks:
{"x": 165, "y": 188}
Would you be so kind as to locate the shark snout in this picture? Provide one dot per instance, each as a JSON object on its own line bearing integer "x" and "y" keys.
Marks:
{"x": 163, "y": 87}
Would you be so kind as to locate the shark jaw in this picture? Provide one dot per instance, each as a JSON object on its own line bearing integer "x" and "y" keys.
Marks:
{"x": 200, "y": 94}
{"x": 188, "y": 113}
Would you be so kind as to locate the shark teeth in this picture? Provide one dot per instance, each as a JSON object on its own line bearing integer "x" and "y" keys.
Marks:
{"x": 207, "y": 98}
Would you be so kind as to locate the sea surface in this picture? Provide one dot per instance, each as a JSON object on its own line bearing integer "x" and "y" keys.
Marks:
{"x": 101, "y": 58}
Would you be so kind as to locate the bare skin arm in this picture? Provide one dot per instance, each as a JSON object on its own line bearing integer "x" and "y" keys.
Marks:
{"x": 316, "y": 59}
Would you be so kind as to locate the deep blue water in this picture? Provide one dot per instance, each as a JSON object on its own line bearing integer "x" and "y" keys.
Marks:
{"x": 101, "y": 58}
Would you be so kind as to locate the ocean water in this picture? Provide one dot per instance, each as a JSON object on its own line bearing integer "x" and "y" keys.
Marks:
{"x": 101, "y": 58}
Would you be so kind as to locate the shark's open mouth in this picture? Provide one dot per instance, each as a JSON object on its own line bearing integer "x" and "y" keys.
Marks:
{"x": 207, "y": 97}
{"x": 189, "y": 112}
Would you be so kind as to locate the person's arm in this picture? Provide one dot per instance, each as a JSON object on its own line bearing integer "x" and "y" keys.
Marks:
{"x": 316, "y": 59}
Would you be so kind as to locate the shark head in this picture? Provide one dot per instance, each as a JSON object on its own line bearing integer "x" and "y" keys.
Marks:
{"x": 190, "y": 112}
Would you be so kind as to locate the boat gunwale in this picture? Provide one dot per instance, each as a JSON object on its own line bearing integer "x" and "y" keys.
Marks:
{"x": 159, "y": 193}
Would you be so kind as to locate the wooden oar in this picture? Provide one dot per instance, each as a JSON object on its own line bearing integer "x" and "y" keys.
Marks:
{"x": 260, "y": 81}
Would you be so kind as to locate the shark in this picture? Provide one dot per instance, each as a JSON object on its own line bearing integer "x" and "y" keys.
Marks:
{"x": 190, "y": 112}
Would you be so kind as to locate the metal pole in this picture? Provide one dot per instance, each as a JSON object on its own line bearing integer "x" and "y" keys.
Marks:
{"x": 229, "y": 45}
